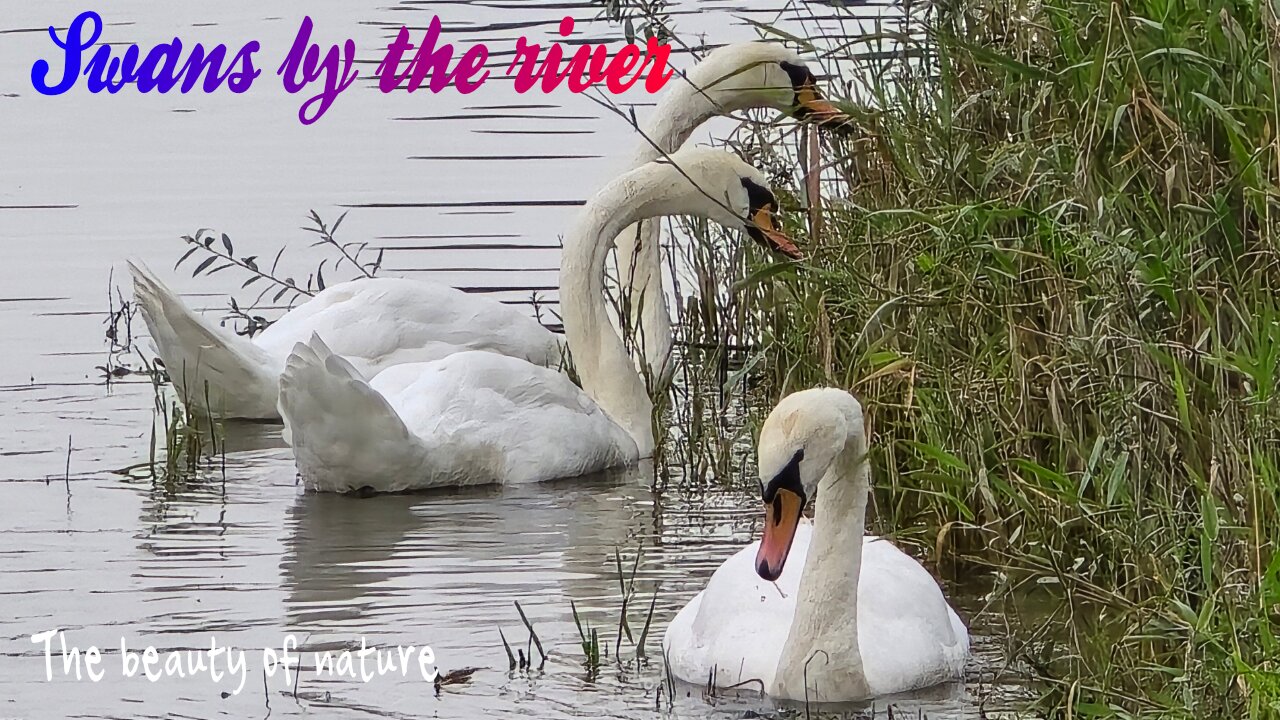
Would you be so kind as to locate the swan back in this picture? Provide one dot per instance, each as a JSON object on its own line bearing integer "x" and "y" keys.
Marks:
{"x": 908, "y": 636}
{"x": 378, "y": 323}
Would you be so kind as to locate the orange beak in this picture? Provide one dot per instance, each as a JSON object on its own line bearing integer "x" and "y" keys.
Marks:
{"x": 775, "y": 239}
{"x": 781, "y": 518}
{"x": 812, "y": 107}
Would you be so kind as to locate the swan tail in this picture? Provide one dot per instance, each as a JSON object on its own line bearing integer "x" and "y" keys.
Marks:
{"x": 345, "y": 435}
{"x": 212, "y": 369}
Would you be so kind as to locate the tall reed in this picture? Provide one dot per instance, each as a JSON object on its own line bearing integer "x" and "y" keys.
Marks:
{"x": 1049, "y": 267}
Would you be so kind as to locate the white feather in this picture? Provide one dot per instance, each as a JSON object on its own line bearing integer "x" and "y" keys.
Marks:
{"x": 374, "y": 323}
{"x": 472, "y": 418}
{"x": 908, "y": 635}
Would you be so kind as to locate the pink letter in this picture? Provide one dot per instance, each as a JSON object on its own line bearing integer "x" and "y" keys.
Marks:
{"x": 587, "y": 62}
{"x": 527, "y": 55}
{"x": 432, "y": 60}
{"x": 656, "y": 79}
{"x": 471, "y": 63}
{"x": 388, "y": 77}
{"x": 624, "y": 62}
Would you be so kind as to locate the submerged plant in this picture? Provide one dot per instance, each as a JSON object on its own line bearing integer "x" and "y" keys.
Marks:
{"x": 185, "y": 444}
{"x": 590, "y": 641}
{"x": 219, "y": 253}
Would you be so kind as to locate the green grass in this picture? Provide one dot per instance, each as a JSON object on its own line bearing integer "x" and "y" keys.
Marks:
{"x": 1049, "y": 268}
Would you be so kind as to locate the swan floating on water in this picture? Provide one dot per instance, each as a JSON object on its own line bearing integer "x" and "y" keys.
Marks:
{"x": 382, "y": 322}
{"x": 814, "y": 611}
{"x": 478, "y": 418}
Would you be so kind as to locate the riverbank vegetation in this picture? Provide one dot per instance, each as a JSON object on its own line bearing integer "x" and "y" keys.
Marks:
{"x": 1049, "y": 266}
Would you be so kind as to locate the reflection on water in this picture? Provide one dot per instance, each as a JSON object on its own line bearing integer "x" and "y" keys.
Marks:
{"x": 249, "y": 559}
{"x": 471, "y": 190}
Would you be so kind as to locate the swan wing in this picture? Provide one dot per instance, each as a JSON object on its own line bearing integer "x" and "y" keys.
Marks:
{"x": 909, "y": 636}
{"x": 380, "y": 322}
{"x": 345, "y": 434}
{"x": 212, "y": 368}
{"x": 533, "y": 422}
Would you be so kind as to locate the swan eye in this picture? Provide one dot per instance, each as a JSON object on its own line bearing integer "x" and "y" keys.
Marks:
{"x": 788, "y": 478}
{"x": 799, "y": 74}
{"x": 757, "y": 195}
{"x": 805, "y": 86}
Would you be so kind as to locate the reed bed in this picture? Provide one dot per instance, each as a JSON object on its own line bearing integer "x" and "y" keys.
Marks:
{"x": 1048, "y": 265}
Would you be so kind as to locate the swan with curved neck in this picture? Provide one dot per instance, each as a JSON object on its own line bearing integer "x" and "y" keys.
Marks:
{"x": 730, "y": 79}
{"x": 816, "y": 612}
{"x": 382, "y": 322}
{"x": 480, "y": 418}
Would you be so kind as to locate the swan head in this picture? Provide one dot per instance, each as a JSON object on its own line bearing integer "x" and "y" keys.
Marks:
{"x": 731, "y": 193}
{"x": 799, "y": 443}
{"x": 764, "y": 74}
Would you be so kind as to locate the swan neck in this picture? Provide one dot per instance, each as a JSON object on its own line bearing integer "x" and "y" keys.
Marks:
{"x": 826, "y": 616}
{"x": 677, "y": 115}
{"x": 692, "y": 100}
{"x": 604, "y": 367}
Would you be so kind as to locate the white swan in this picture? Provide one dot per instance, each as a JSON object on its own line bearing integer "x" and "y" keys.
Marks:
{"x": 480, "y": 418}
{"x": 850, "y": 618}
{"x": 379, "y": 323}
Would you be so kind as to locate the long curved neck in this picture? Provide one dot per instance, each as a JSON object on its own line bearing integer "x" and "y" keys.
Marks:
{"x": 680, "y": 112}
{"x": 604, "y": 368}
{"x": 824, "y": 630}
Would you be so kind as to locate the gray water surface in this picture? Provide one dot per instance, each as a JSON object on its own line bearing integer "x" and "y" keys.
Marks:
{"x": 470, "y": 190}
